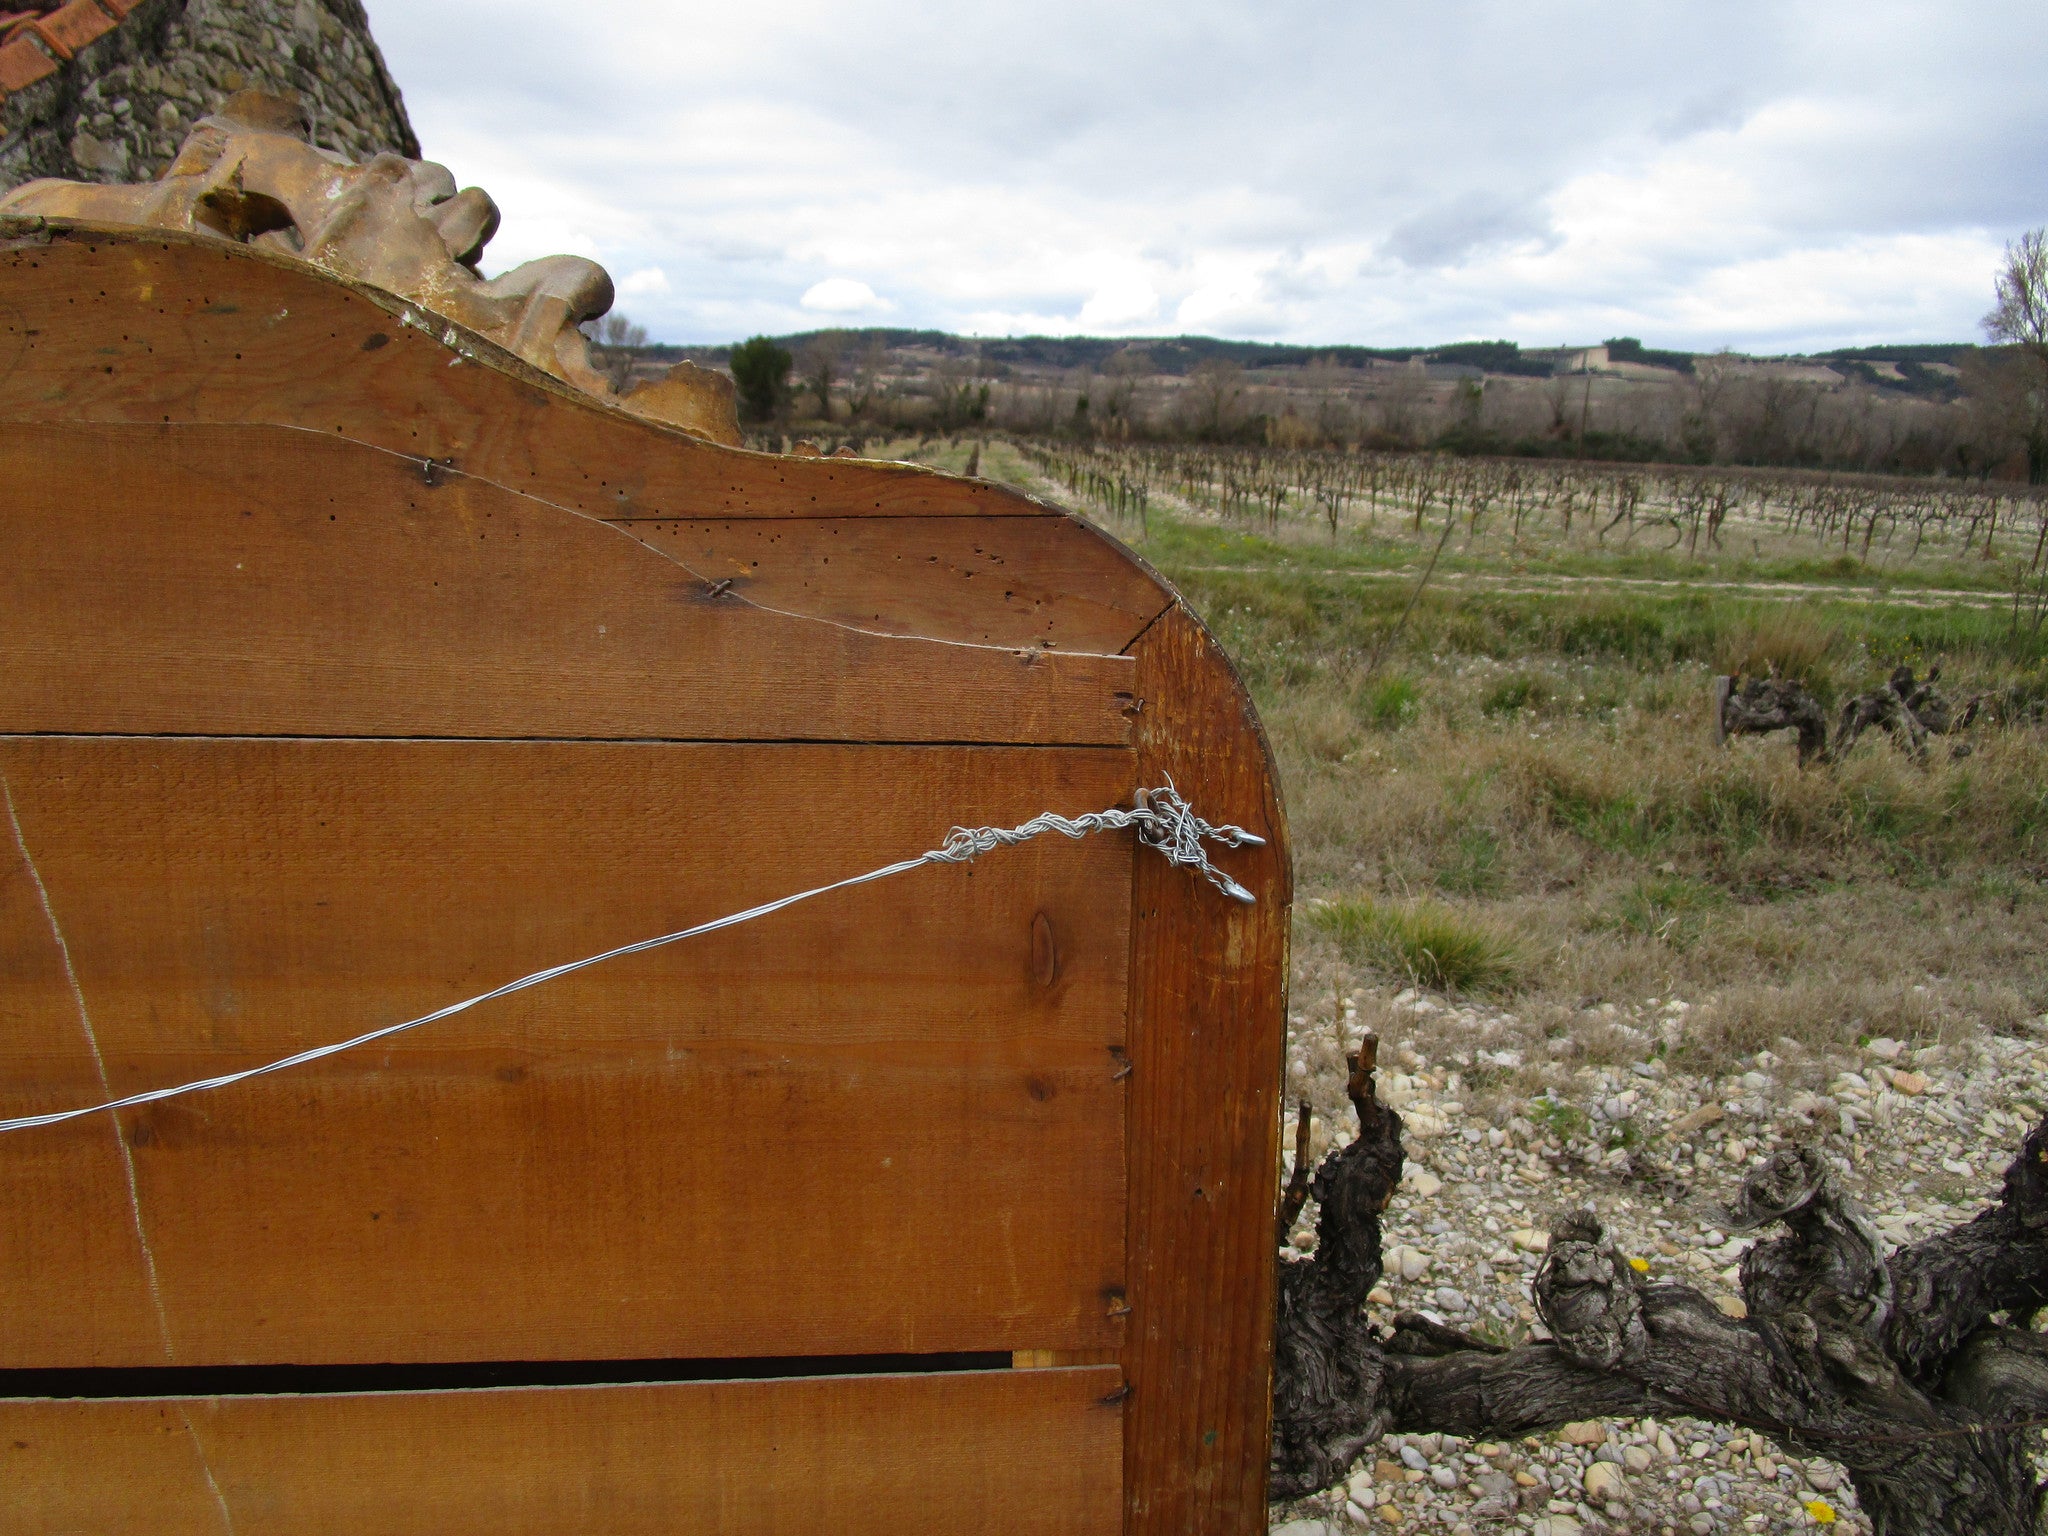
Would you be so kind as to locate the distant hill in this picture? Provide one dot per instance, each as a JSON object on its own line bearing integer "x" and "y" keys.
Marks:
{"x": 1912, "y": 368}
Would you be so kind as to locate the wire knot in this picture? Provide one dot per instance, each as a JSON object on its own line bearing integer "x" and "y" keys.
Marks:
{"x": 1164, "y": 821}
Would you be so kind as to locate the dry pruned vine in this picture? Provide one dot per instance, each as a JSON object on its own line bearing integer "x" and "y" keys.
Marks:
{"x": 1919, "y": 1373}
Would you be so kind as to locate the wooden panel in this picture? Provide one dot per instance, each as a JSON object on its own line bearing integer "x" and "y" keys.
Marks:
{"x": 1020, "y": 1453}
{"x": 107, "y": 325}
{"x": 257, "y": 581}
{"x": 1023, "y": 581}
{"x": 884, "y": 1121}
{"x": 1208, "y": 1028}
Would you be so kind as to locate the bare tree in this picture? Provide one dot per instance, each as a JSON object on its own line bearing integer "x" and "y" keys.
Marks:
{"x": 819, "y": 364}
{"x": 2020, "y": 320}
{"x": 617, "y": 339}
{"x": 870, "y": 364}
{"x": 1215, "y": 391}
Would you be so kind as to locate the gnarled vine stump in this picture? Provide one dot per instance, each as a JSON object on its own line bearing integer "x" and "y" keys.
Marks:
{"x": 1918, "y": 1373}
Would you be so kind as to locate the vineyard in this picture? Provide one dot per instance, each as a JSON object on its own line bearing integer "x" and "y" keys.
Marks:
{"x": 1526, "y": 507}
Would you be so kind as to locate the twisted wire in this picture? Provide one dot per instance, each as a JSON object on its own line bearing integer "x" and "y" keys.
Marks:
{"x": 1163, "y": 821}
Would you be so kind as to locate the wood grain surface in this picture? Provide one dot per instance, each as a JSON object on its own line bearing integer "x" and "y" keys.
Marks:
{"x": 250, "y": 580}
{"x": 995, "y": 1453}
{"x": 1207, "y": 1034}
{"x": 1017, "y": 581}
{"x": 240, "y": 498}
{"x": 877, "y": 1122}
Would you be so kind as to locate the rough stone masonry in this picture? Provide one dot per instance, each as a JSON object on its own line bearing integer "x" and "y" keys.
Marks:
{"x": 115, "y": 108}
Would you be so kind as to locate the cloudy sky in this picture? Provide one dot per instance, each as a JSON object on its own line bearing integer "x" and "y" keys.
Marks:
{"x": 1701, "y": 173}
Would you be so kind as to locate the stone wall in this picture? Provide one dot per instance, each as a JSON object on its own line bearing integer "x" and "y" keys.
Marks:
{"x": 118, "y": 106}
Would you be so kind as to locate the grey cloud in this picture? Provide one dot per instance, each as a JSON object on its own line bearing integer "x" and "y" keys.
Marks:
{"x": 1449, "y": 232}
{"x": 1217, "y": 131}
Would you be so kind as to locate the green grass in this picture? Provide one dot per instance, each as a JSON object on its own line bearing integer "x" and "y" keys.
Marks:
{"x": 1669, "y": 908}
{"x": 1421, "y": 941}
{"x": 1523, "y": 797}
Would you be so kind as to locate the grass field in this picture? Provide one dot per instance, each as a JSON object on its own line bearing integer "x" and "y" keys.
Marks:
{"x": 1515, "y": 794}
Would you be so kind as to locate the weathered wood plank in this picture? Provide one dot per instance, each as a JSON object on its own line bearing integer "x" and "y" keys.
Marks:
{"x": 997, "y": 1453}
{"x": 248, "y": 580}
{"x": 1208, "y": 1028}
{"x": 109, "y": 326}
{"x": 754, "y": 1143}
{"x": 1021, "y": 581}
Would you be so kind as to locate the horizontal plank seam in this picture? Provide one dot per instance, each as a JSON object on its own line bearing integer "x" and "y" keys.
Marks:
{"x": 430, "y": 466}
{"x": 878, "y": 743}
{"x": 150, "y": 1383}
{"x": 773, "y": 519}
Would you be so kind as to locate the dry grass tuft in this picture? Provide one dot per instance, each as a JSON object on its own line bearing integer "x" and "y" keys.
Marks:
{"x": 1424, "y": 942}
{"x": 1788, "y": 642}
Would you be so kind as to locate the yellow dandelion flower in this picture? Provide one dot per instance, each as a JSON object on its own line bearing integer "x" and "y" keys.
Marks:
{"x": 1640, "y": 1266}
{"x": 1823, "y": 1512}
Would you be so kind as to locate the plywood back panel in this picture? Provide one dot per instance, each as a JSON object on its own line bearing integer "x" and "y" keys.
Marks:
{"x": 1007, "y": 1453}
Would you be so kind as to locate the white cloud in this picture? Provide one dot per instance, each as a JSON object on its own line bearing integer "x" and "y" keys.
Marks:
{"x": 841, "y": 296}
{"x": 1119, "y": 302}
{"x": 1703, "y": 172}
{"x": 648, "y": 280}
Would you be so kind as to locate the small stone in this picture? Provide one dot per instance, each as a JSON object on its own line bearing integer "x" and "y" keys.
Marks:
{"x": 1822, "y": 1478}
{"x": 1408, "y": 1263}
{"x": 1413, "y": 1459}
{"x": 1884, "y": 1048}
{"x": 1360, "y": 1487}
{"x": 1450, "y": 1298}
{"x": 1301, "y": 1528}
{"x": 1912, "y": 1084}
{"x": 1380, "y": 1296}
{"x": 1584, "y": 1432}
{"x": 1422, "y": 1181}
{"x": 1636, "y": 1458}
{"x": 1529, "y": 1240}
{"x": 1705, "y": 1115}
{"x": 1603, "y": 1481}
{"x": 1701, "y": 1525}
{"x": 1444, "y": 1478}
{"x": 1390, "y": 1514}
{"x": 1555, "y": 1525}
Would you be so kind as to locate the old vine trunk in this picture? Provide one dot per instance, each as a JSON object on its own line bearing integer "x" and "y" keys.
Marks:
{"x": 1919, "y": 1373}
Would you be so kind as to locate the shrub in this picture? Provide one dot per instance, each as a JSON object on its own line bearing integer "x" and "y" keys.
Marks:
{"x": 1425, "y": 942}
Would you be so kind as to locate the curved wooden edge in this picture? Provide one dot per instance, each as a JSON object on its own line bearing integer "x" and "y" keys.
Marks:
{"x": 1207, "y": 1036}
{"x": 245, "y": 360}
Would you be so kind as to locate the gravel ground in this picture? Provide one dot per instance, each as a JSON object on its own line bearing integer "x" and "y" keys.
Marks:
{"x": 1920, "y": 1136}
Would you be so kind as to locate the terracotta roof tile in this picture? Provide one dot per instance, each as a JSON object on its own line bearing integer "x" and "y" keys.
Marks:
{"x": 71, "y": 27}
{"x": 22, "y": 64}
